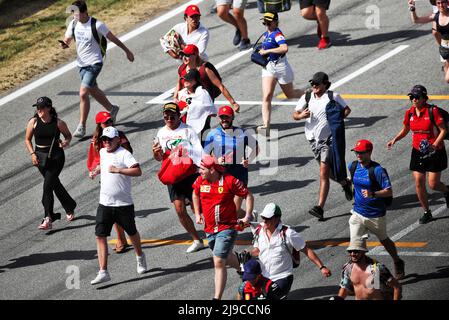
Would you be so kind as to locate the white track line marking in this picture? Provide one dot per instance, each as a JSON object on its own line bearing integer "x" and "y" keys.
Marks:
{"x": 414, "y": 254}
{"x": 72, "y": 65}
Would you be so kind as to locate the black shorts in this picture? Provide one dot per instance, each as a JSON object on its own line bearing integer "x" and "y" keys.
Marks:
{"x": 319, "y": 3}
{"x": 107, "y": 216}
{"x": 238, "y": 171}
{"x": 435, "y": 163}
{"x": 280, "y": 288}
{"x": 182, "y": 189}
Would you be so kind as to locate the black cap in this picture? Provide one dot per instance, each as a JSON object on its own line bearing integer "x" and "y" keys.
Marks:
{"x": 43, "y": 102}
{"x": 171, "y": 107}
{"x": 419, "y": 91}
{"x": 193, "y": 74}
{"x": 320, "y": 78}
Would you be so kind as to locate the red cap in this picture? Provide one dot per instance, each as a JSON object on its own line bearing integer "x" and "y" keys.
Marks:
{"x": 102, "y": 117}
{"x": 190, "y": 49}
{"x": 363, "y": 146}
{"x": 192, "y": 10}
{"x": 209, "y": 162}
{"x": 226, "y": 111}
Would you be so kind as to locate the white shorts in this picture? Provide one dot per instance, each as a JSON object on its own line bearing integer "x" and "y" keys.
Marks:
{"x": 236, "y": 4}
{"x": 359, "y": 225}
{"x": 281, "y": 70}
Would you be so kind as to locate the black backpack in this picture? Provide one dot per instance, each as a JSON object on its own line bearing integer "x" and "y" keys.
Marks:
{"x": 372, "y": 177}
{"x": 293, "y": 252}
{"x": 102, "y": 42}
{"x": 445, "y": 116}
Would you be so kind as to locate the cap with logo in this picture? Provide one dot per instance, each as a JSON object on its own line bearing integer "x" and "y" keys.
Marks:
{"x": 192, "y": 10}
{"x": 270, "y": 16}
{"x": 320, "y": 78}
{"x": 170, "y": 107}
{"x": 363, "y": 146}
{"x": 251, "y": 269}
{"x": 226, "y": 111}
{"x": 419, "y": 91}
{"x": 110, "y": 132}
{"x": 271, "y": 210}
{"x": 102, "y": 117}
{"x": 190, "y": 49}
{"x": 208, "y": 161}
{"x": 43, "y": 102}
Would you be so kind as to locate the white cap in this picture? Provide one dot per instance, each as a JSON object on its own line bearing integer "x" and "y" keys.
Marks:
{"x": 110, "y": 132}
{"x": 271, "y": 210}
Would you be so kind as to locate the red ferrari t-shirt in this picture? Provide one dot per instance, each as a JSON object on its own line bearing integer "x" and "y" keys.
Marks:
{"x": 422, "y": 127}
{"x": 217, "y": 201}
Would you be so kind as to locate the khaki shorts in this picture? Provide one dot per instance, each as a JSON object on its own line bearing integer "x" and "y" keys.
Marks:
{"x": 281, "y": 70}
{"x": 236, "y": 4}
{"x": 359, "y": 225}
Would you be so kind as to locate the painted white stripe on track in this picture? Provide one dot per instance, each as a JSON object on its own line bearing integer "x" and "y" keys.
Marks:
{"x": 413, "y": 254}
{"x": 70, "y": 66}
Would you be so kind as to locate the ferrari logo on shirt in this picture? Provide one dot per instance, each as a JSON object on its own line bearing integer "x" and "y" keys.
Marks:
{"x": 247, "y": 296}
{"x": 220, "y": 189}
{"x": 205, "y": 189}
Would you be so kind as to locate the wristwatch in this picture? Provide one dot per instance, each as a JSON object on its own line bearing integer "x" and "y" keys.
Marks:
{"x": 412, "y": 8}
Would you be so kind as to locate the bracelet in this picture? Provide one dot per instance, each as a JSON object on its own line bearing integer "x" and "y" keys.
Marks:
{"x": 32, "y": 153}
{"x": 322, "y": 267}
{"x": 412, "y": 8}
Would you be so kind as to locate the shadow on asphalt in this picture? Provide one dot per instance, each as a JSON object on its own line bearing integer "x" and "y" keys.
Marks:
{"x": 275, "y": 186}
{"x": 441, "y": 273}
{"x": 42, "y": 258}
{"x": 409, "y": 201}
{"x": 146, "y": 213}
{"x": 199, "y": 265}
{"x": 316, "y": 292}
{"x": 71, "y": 227}
{"x": 297, "y": 161}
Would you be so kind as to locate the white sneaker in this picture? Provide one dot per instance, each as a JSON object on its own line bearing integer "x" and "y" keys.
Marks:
{"x": 196, "y": 245}
{"x": 102, "y": 276}
{"x": 114, "y": 112}
{"x": 141, "y": 264}
{"x": 80, "y": 131}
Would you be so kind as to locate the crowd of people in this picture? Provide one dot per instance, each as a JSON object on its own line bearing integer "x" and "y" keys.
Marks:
{"x": 208, "y": 167}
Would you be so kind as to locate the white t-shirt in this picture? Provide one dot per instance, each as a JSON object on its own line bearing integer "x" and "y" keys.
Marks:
{"x": 276, "y": 261}
{"x": 199, "y": 37}
{"x": 200, "y": 107}
{"x": 184, "y": 135}
{"x": 87, "y": 49}
{"x": 316, "y": 126}
{"x": 115, "y": 187}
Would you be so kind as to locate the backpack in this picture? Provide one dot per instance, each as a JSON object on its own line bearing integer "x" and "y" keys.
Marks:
{"x": 445, "y": 116}
{"x": 102, "y": 42}
{"x": 372, "y": 177}
{"x": 293, "y": 252}
{"x": 273, "y": 5}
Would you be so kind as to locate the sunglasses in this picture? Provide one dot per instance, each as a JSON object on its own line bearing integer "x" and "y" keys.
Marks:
{"x": 185, "y": 55}
{"x": 314, "y": 84}
{"x": 361, "y": 152}
{"x": 106, "y": 139}
{"x": 267, "y": 219}
{"x": 109, "y": 121}
{"x": 354, "y": 251}
{"x": 223, "y": 117}
{"x": 413, "y": 96}
{"x": 266, "y": 22}
{"x": 169, "y": 117}
{"x": 441, "y": 2}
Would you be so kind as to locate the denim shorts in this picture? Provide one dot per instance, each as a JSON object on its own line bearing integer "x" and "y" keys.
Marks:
{"x": 222, "y": 243}
{"x": 89, "y": 75}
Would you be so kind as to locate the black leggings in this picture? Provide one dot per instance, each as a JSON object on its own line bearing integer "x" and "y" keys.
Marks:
{"x": 53, "y": 184}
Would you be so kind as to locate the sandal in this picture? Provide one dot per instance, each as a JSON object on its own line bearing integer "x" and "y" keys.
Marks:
{"x": 121, "y": 249}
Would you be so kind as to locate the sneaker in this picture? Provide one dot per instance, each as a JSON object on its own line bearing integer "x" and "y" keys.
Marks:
{"x": 399, "y": 269}
{"x": 102, "y": 276}
{"x": 446, "y": 196}
{"x": 347, "y": 188}
{"x": 427, "y": 217}
{"x": 324, "y": 43}
{"x": 80, "y": 131}
{"x": 114, "y": 112}
{"x": 244, "y": 44}
{"x": 70, "y": 216}
{"x": 55, "y": 216}
{"x": 237, "y": 37}
{"x": 196, "y": 245}
{"x": 318, "y": 212}
{"x": 46, "y": 224}
{"x": 141, "y": 264}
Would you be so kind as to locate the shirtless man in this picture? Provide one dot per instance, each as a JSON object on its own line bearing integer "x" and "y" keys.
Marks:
{"x": 366, "y": 278}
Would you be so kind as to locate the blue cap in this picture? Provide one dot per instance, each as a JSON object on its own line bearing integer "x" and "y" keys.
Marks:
{"x": 251, "y": 270}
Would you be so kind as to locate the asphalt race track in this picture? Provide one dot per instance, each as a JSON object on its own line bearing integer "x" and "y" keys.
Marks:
{"x": 372, "y": 62}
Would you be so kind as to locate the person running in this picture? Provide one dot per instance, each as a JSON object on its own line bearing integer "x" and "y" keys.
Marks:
{"x": 103, "y": 120}
{"x": 274, "y": 243}
{"x": 238, "y": 20}
{"x": 278, "y": 70}
{"x": 366, "y": 278}
{"x": 213, "y": 201}
{"x": 90, "y": 60}
{"x": 117, "y": 166}
{"x": 49, "y": 158}
{"x": 172, "y": 134}
{"x": 229, "y": 144}
{"x": 425, "y": 19}
{"x": 209, "y": 77}
{"x": 368, "y": 213}
{"x": 428, "y": 150}
{"x": 199, "y": 107}
{"x": 189, "y": 32}
{"x": 316, "y": 10}
{"x": 318, "y": 133}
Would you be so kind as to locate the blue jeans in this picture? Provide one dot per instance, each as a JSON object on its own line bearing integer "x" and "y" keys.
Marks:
{"x": 222, "y": 243}
{"x": 89, "y": 75}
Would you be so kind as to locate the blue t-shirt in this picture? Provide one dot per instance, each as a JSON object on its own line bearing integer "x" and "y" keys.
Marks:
{"x": 273, "y": 40}
{"x": 232, "y": 146}
{"x": 369, "y": 207}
